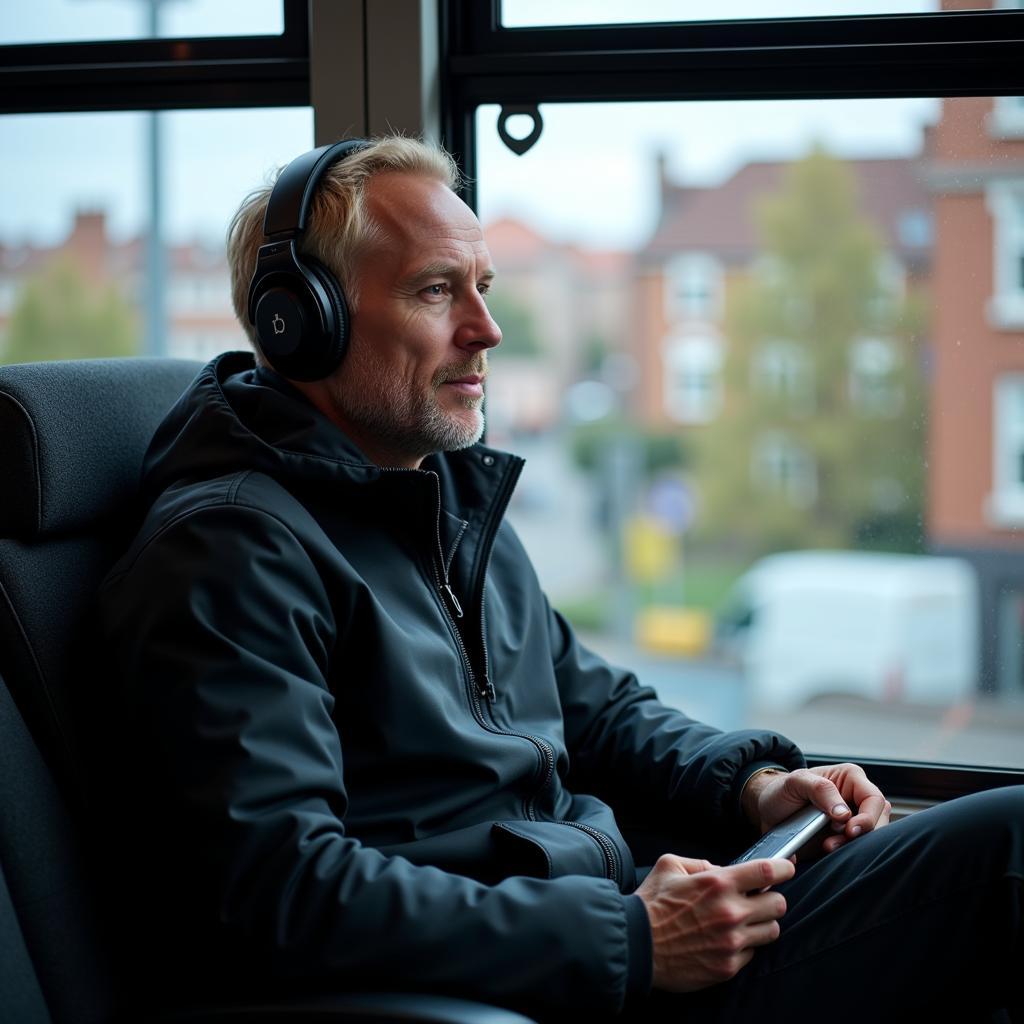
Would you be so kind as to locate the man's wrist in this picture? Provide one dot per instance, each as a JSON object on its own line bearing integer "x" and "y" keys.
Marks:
{"x": 755, "y": 782}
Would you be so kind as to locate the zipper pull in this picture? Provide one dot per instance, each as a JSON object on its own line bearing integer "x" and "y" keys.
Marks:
{"x": 454, "y": 600}
{"x": 487, "y": 689}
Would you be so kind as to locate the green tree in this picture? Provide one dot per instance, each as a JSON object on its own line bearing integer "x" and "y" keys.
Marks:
{"x": 821, "y": 439}
{"x": 60, "y": 314}
{"x": 659, "y": 449}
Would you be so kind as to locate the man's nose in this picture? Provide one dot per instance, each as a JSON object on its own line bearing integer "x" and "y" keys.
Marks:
{"x": 479, "y": 330}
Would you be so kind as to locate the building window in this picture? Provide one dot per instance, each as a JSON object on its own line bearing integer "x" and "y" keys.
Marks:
{"x": 781, "y": 465}
{"x": 783, "y": 369}
{"x": 1007, "y": 118}
{"x": 875, "y": 388}
{"x": 891, "y": 289}
{"x": 693, "y": 378}
{"x": 915, "y": 229}
{"x": 693, "y": 288}
{"x": 1006, "y": 503}
{"x": 1006, "y": 206}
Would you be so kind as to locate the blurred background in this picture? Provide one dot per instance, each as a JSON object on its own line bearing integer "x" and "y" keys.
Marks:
{"x": 764, "y": 360}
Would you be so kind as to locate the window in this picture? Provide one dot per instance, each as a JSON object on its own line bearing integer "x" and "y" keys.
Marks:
{"x": 1007, "y": 499}
{"x": 58, "y": 21}
{"x": 693, "y": 287}
{"x": 1006, "y": 206}
{"x": 914, "y": 168}
{"x": 1007, "y": 121}
{"x": 875, "y": 389}
{"x": 80, "y": 275}
{"x": 891, "y": 282}
{"x": 782, "y": 465}
{"x": 783, "y": 370}
{"x": 521, "y": 13}
{"x": 915, "y": 228}
{"x": 1011, "y": 631}
{"x": 693, "y": 389}
{"x": 885, "y": 464}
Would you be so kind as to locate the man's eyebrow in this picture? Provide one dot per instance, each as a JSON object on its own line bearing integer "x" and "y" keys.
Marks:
{"x": 445, "y": 269}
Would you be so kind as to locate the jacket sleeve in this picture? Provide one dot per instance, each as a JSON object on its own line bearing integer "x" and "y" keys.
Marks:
{"x": 223, "y": 632}
{"x": 650, "y": 762}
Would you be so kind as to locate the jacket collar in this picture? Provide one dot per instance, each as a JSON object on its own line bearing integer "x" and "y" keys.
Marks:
{"x": 236, "y": 416}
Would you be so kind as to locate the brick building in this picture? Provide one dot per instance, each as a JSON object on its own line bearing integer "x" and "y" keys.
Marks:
{"x": 200, "y": 323}
{"x": 706, "y": 240}
{"x": 976, "y": 467}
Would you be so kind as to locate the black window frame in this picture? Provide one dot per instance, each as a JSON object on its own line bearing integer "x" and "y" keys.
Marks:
{"x": 950, "y": 53}
{"x": 160, "y": 74}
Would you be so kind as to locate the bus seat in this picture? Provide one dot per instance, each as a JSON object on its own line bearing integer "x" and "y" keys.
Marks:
{"x": 73, "y": 437}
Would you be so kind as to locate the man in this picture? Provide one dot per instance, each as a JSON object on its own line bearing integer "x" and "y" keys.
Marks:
{"x": 380, "y": 759}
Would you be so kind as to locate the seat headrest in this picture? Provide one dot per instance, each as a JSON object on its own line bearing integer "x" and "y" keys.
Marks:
{"x": 73, "y": 434}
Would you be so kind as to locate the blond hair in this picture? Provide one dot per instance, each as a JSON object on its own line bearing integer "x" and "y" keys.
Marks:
{"x": 339, "y": 228}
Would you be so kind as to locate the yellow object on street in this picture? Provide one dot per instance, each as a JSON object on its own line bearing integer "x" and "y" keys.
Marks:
{"x": 651, "y": 551}
{"x": 667, "y": 630}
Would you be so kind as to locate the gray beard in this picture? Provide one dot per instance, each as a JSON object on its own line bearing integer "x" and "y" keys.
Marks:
{"x": 405, "y": 424}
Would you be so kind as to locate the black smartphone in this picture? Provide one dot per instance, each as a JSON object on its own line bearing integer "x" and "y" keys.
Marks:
{"x": 788, "y": 836}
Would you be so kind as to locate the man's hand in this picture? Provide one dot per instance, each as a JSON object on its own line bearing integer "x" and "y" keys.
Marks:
{"x": 707, "y": 921}
{"x": 771, "y": 797}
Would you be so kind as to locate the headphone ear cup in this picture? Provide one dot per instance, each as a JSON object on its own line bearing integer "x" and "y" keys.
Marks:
{"x": 336, "y": 343}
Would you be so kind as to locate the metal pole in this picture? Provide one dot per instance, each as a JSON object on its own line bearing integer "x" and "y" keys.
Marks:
{"x": 620, "y": 464}
{"x": 156, "y": 260}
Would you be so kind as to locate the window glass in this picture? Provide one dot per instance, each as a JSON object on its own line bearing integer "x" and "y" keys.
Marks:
{"x": 1006, "y": 203}
{"x": 529, "y": 13}
{"x": 78, "y": 275}
{"x": 772, "y": 408}
{"x": 65, "y": 21}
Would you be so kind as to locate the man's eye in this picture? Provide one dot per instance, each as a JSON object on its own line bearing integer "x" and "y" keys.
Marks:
{"x": 435, "y": 290}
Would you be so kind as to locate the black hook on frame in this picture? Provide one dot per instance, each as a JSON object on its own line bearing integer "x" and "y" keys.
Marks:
{"x": 520, "y": 146}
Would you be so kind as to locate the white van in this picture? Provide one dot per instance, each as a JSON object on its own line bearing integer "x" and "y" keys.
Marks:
{"x": 886, "y": 627}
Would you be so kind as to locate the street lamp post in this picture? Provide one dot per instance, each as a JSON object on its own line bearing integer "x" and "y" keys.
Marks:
{"x": 155, "y": 288}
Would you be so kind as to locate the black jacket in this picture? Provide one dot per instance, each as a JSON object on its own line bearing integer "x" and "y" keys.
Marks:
{"x": 373, "y": 754}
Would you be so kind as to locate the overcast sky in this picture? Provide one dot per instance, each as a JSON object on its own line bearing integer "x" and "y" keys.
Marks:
{"x": 590, "y": 178}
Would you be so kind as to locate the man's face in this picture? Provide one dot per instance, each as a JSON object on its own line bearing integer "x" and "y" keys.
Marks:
{"x": 412, "y": 381}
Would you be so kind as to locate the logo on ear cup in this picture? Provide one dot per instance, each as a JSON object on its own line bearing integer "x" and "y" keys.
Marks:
{"x": 280, "y": 322}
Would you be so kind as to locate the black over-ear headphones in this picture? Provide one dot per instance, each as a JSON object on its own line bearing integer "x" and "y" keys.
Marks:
{"x": 295, "y": 303}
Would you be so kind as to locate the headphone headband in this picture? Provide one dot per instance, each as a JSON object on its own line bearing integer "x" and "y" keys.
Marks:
{"x": 292, "y": 195}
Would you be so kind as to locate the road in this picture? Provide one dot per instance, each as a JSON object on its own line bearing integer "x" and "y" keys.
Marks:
{"x": 985, "y": 732}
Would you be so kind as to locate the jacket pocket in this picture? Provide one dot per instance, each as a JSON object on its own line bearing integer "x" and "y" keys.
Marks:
{"x": 551, "y": 849}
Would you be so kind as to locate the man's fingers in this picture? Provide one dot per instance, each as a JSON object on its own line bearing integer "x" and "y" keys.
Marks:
{"x": 822, "y": 792}
{"x": 826, "y": 797}
{"x": 765, "y": 907}
{"x": 759, "y": 874}
{"x": 832, "y": 844}
{"x": 869, "y": 813}
{"x": 761, "y": 934}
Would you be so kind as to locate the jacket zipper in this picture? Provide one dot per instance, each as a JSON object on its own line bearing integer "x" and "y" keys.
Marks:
{"x": 477, "y": 695}
{"x": 483, "y": 689}
{"x": 480, "y": 690}
{"x": 611, "y": 857}
{"x": 497, "y": 511}
{"x": 487, "y": 689}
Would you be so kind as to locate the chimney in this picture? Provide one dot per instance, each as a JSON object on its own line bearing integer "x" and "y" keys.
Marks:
{"x": 88, "y": 244}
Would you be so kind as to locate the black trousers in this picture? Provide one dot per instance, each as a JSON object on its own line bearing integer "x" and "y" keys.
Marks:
{"x": 920, "y": 921}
